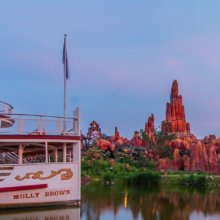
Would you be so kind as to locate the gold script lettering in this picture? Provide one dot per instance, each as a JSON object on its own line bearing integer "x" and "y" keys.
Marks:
{"x": 65, "y": 174}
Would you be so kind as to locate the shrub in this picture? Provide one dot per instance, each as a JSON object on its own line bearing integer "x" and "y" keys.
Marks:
{"x": 108, "y": 178}
{"x": 145, "y": 163}
{"x": 149, "y": 178}
{"x": 95, "y": 153}
{"x": 194, "y": 180}
{"x": 118, "y": 168}
{"x": 94, "y": 167}
{"x": 123, "y": 158}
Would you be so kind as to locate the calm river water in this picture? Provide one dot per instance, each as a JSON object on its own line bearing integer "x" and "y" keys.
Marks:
{"x": 101, "y": 202}
{"x": 108, "y": 203}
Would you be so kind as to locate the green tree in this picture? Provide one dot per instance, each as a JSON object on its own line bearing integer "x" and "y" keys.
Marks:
{"x": 161, "y": 144}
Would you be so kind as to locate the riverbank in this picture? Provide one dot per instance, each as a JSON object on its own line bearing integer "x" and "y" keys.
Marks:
{"x": 211, "y": 181}
{"x": 152, "y": 178}
{"x": 120, "y": 168}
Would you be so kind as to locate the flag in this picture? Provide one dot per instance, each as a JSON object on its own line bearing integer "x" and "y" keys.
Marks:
{"x": 65, "y": 59}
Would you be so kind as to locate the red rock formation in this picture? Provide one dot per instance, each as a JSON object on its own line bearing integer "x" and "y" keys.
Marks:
{"x": 116, "y": 138}
{"x": 199, "y": 157}
{"x": 164, "y": 164}
{"x": 136, "y": 140}
{"x": 175, "y": 113}
{"x": 105, "y": 145}
{"x": 94, "y": 130}
{"x": 177, "y": 160}
{"x": 213, "y": 160}
{"x": 212, "y": 145}
{"x": 149, "y": 128}
{"x": 183, "y": 143}
{"x": 191, "y": 154}
{"x": 186, "y": 162}
{"x": 177, "y": 143}
{"x": 117, "y": 134}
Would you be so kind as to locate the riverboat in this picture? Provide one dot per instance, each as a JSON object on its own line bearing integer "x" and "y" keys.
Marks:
{"x": 39, "y": 159}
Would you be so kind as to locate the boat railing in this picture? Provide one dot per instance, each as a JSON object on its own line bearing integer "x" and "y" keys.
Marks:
{"x": 8, "y": 157}
{"x": 28, "y": 124}
{"x": 5, "y": 107}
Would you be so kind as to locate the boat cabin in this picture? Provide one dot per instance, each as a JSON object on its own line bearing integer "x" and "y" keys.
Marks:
{"x": 39, "y": 159}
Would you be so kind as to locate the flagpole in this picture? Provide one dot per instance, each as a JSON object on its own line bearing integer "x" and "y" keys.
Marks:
{"x": 65, "y": 77}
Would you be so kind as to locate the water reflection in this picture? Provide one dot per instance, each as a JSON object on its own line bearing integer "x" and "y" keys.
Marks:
{"x": 100, "y": 202}
{"x": 115, "y": 202}
{"x": 53, "y": 214}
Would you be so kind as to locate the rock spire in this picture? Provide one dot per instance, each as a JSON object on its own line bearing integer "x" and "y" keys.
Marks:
{"x": 149, "y": 128}
{"x": 175, "y": 113}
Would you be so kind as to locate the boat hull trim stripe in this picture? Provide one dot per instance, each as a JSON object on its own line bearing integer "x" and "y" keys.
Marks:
{"x": 20, "y": 188}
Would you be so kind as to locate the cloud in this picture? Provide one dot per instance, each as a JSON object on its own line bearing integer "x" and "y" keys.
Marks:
{"x": 174, "y": 64}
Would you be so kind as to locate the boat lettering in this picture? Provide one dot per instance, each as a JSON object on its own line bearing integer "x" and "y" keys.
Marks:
{"x": 65, "y": 174}
{"x": 46, "y": 194}
{"x": 26, "y": 218}
{"x": 57, "y": 193}
{"x": 61, "y": 217}
{"x": 26, "y": 196}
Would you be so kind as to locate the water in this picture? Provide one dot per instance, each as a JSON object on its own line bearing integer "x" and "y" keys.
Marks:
{"x": 101, "y": 202}
{"x": 106, "y": 203}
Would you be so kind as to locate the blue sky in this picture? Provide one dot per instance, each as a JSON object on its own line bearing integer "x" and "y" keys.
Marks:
{"x": 123, "y": 56}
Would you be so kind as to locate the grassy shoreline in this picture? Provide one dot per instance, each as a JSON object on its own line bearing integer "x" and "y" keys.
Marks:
{"x": 166, "y": 182}
{"x": 174, "y": 179}
{"x": 117, "y": 173}
{"x": 185, "y": 180}
{"x": 100, "y": 165}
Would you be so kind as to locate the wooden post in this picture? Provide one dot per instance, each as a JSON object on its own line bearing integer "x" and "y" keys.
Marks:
{"x": 64, "y": 152}
{"x": 56, "y": 155}
{"x": 20, "y": 154}
{"x": 46, "y": 152}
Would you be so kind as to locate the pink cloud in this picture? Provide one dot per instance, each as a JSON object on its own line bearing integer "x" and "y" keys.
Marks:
{"x": 174, "y": 63}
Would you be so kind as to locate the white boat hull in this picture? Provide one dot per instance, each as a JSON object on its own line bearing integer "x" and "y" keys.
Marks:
{"x": 39, "y": 184}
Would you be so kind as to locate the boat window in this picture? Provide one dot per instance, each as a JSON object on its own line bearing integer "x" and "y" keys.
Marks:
{"x": 56, "y": 154}
{"x": 35, "y": 158}
{"x": 9, "y": 156}
{"x": 34, "y": 153}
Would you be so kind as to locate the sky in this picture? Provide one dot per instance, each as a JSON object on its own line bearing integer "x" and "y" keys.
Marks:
{"x": 123, "y": 56}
